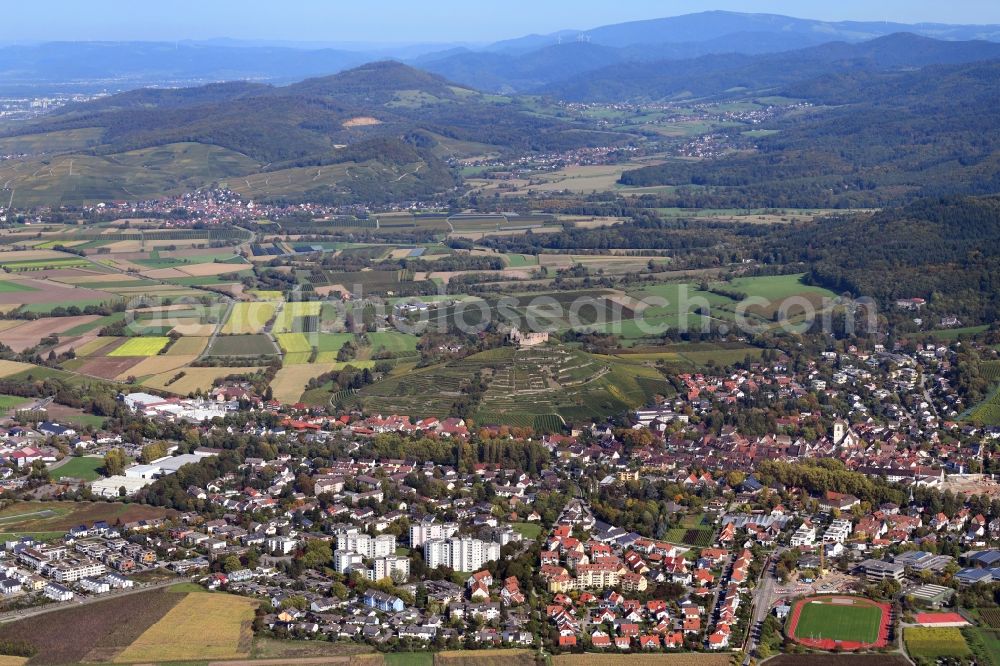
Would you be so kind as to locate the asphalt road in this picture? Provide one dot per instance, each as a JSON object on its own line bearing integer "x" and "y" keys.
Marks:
{"x": 763, "y": 597}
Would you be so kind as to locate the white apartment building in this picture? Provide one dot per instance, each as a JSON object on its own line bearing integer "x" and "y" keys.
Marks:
{"x": 838, "y": 531}
{"x": 390, "y": 566}
{"x": 460, "y": 553}
{"x": 345, "y": 560}
{"x": 369, "y": 546}
{"x": 72, "y": 572}
{"x": 428, "y": 529}
{"x": 804, "y": 536}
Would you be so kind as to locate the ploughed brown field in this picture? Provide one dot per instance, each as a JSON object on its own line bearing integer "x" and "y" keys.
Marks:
{"x": 30, "y": 333}
{"x": 95, "y": 632}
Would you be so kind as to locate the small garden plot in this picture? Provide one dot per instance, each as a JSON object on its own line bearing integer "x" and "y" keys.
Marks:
{"x": 146, "y": 346}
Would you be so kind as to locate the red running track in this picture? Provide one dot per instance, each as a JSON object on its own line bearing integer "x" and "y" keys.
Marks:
{"x": 830, "y": 644}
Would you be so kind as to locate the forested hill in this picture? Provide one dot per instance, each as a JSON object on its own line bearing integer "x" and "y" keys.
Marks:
{"x": 946, "y": 250}
{"x": 899, "y": 135}
{"x": 396, "y": 122}
{"x": 713, "y": 75}
{"x": 300, "y": 122}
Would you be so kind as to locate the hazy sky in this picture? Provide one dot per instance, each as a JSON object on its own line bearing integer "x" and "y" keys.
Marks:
{"x": 415, "y": 21}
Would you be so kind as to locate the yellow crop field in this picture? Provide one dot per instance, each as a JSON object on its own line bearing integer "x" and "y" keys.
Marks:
{"x": 194, "y": 378}
{"x": 292, "y": 343}
{"x": 155, "y": 365}
{"x": 291, "y": 311}
{"x": 266, "y": 295}
{"x": 188, "y": 346}
{"x": 8, "y": 368}
{"x": 202, "y": 626}
{"x": 146, "y": 346}
{"x": 6, "y": 660}
{"x": 290, "y": 382}
{"x": 248, "y": 318}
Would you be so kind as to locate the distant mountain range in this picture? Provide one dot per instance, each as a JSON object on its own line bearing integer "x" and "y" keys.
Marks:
{"x": 517, "y": 65}
{"x": 722, "y": 74}
{"x": 384, "y": 131}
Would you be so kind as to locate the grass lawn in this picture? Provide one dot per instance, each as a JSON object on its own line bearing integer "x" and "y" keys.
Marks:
{"x": 80, "y": 468}
{"x": 529, "y": 531}
{"x": 858, "y": 623}
{"x": 774, "y": 287}
{"x": 409, "y": 658}
{"x": 392, "y": 341}
{"x": 11, "y": 401}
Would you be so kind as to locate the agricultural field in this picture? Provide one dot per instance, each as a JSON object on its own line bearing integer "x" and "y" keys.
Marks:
{"x": 292, "y": 343}
{"x": 988, "y": 411}
{"x": 540, "y": 388}
{"x": 195, "y": 379}
{"x": 189, "y": 345}
{"x": 10, "y": 368}
{"x": 242, "y": 345}
{"x": 990, "y": 616}
{"x": 100, "y": 631}
{"x": 984, "y": 644}
{"x": 201, "y": 626}
{"x": 496, "y": 657}
{"x": 290, "y": 382}
{"x": 46, "y": 520}
{"x": 150, "y": 346}
{"x": 392, "y": 342}
{"x": 935, "y": 642}
{"x": 601, "y": 659}
{"x": 290, "y": 313}
{"x": 8, "y": 402}
{"x": 814, "y": 659}
{"x": 249, "y": 317}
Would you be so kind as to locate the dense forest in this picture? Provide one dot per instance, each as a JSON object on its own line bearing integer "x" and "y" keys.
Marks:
{"x": 944, "y": 250}
{"x": 899, "y": 135}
